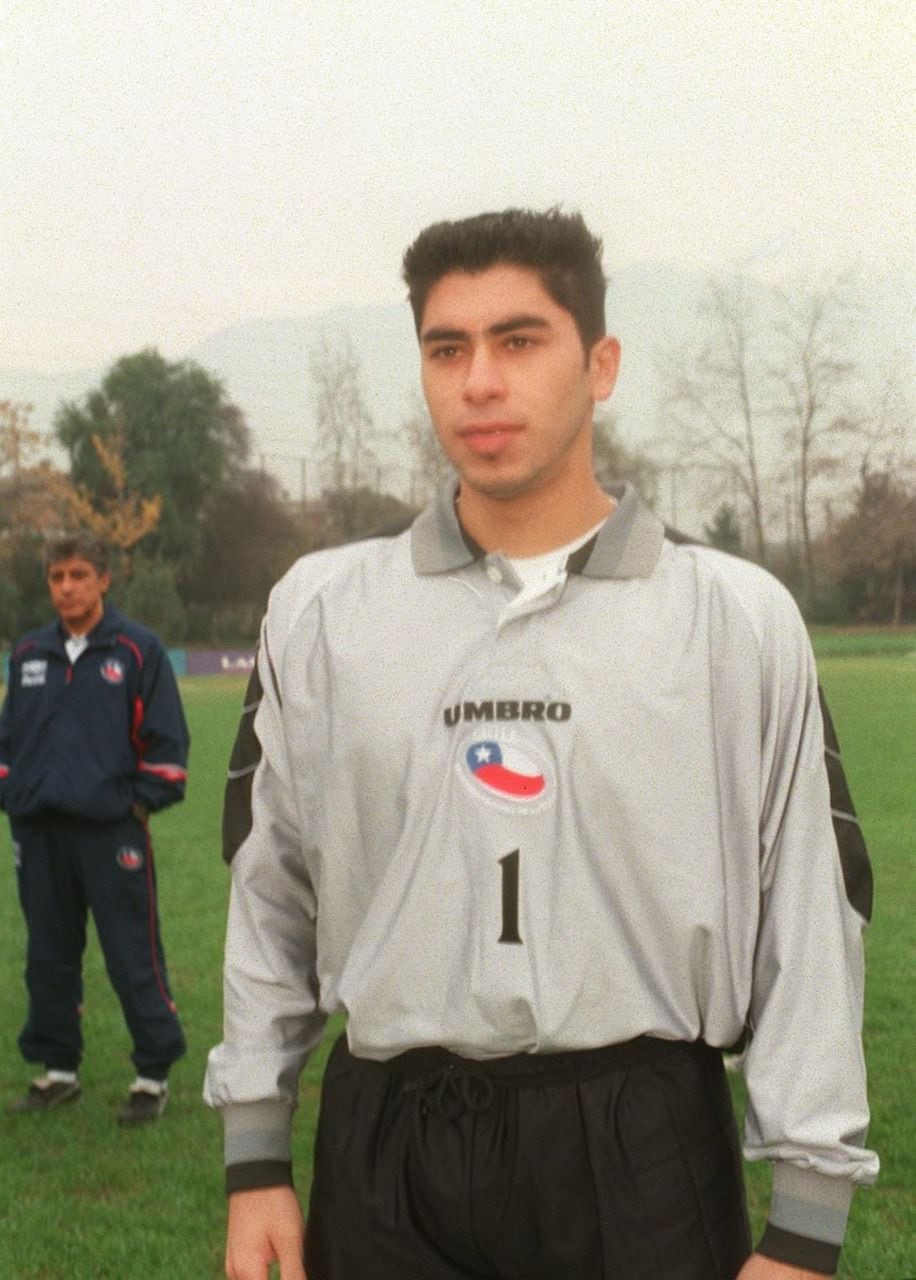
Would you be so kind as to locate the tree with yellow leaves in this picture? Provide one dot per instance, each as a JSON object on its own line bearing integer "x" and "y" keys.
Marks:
{"x": 182, "y": 438}
{"x": 121, "y": 518}
{"x": 28, "y": 493}
{"x": 19, "y": 440}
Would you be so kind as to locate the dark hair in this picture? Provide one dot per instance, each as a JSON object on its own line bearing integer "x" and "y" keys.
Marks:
{"x": 77, "y": 546}
{"x": 557, "y": 245}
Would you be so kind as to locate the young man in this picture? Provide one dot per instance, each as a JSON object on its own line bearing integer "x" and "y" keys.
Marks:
{"x": 538, "y": 798}
{"x": 92, "y": 741}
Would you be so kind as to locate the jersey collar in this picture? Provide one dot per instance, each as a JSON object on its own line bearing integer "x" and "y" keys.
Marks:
{"x": 627, "y": 545}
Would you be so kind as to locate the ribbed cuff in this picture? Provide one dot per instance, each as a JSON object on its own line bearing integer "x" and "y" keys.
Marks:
{"x": 807, "y": 1221}
{"x": 256, "y": 1174}
{"x": 799, "y": 1251}
{"x": 257, "y": 1131}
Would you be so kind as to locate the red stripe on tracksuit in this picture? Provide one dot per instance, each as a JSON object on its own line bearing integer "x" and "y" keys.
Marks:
{"x": 167, "y": 772}
{"x": 153, "y": 921}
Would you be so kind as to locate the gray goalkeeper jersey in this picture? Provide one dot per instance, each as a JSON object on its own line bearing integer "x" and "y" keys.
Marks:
{"x": 508, "y": 827}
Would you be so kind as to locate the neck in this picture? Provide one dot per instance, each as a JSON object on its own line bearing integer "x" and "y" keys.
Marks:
{"x": 85, "y": 627}
{"x": 529, "y": 524}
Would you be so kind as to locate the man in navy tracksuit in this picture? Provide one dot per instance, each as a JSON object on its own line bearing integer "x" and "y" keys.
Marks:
{"x": 93, "y": 740}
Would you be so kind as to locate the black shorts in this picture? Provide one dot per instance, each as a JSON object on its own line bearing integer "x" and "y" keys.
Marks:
{"x": 619, "y": 1163}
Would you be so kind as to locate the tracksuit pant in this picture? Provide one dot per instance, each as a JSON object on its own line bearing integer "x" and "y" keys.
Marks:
{"x": 620, "y": 1163}
{"x": 66, "y": 868}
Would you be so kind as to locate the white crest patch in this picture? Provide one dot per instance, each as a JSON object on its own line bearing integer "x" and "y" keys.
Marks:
{"x": 112, "y": 671}
{"x": 34, "y": 672}
{"x": 506, "y": 767}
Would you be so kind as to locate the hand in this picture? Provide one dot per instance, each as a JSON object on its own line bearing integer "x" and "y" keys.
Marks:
{"x": 265, "y": 1226}
{"x": 140, "y": 812}
{"x": 758, "y": 1267}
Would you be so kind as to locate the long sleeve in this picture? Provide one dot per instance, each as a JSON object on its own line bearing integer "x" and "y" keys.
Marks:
{"x": 805, "y": 1069}
{"x": 272, "y": 1018}
{"x": 160, "y": 734}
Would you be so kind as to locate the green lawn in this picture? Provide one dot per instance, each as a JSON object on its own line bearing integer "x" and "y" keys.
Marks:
{"x": 864, "y": 642}
{"x": 81, "y": 1199}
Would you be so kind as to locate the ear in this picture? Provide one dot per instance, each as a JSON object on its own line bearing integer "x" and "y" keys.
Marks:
{"x": 104, "y": 582}
{"x": 603, "y": 364}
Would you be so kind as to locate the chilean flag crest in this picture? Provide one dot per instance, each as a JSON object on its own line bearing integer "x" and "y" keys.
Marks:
{"x": 112, "y": 671}
{"x": 505, "y": 770}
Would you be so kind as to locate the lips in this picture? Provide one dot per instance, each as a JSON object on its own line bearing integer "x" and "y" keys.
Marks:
{"x": 488, "y": 438}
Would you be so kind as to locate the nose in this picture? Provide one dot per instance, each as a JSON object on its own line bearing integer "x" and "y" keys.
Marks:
{"x": 484, "y": 380}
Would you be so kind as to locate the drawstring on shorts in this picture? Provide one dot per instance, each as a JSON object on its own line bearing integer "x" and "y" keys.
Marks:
{"x": 452, "y": 1091}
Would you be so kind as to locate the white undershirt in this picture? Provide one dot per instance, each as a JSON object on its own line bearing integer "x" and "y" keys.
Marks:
{"x": 75, "y": 646}
{"x": 540, "y": 571}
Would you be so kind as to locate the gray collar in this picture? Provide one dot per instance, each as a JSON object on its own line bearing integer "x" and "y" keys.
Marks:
{"x": 627, "y": 545}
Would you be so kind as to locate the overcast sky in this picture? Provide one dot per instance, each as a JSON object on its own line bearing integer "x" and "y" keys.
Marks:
{"x": 168, "y": 168}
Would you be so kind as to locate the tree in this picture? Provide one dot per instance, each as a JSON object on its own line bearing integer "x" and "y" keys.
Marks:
{"x": 182, "y": 439}
{"x": 719, "y": 402}
{"x": 767, "y": 399}
{"x": 30, "y": 508}
{"x": 152, "y": 595}
{"x": 19, "y": 440}
{"x": 121, "y": 519}
{"x": 350, "y": 505}
{"x": 249, "y": 537}
{"x": 10, "y": 603}
{"x": 724, "y": 532}
{"x": 27, "y": 483}
{"x": 24, "y": 593}
{"x": 429, "y": 467}
{"x": 345, "y": 428}
{"x": 33, "y": 502}
{"x": 613, "y": 461}
{"x": 872, "y": 551}
{"x": 343, "y": 515}
{"x": 812, "y": 381}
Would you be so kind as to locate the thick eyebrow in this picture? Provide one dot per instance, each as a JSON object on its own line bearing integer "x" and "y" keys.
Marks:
{"x": 444, "y": 335}
{"x": 509, "y": 325}
{"x": 523, "y": 321}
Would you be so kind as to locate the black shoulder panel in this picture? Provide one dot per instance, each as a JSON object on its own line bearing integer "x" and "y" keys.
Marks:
{"x": 246, "y": 754}
{"x": 681, "y": 539}
{"x": 857, "y": 874}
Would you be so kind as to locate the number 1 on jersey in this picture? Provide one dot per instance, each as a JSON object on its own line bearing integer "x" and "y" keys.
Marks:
{"x": 510, "y": 867}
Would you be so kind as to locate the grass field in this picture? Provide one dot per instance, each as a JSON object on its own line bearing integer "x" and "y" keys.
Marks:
{"x": 81, "y": 1199}
{"x": 864, "y": 642}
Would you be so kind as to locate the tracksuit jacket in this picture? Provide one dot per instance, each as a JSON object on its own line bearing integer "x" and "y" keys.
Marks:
{"x": 634, "y": 759}
{"x": 89, "y": 739}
